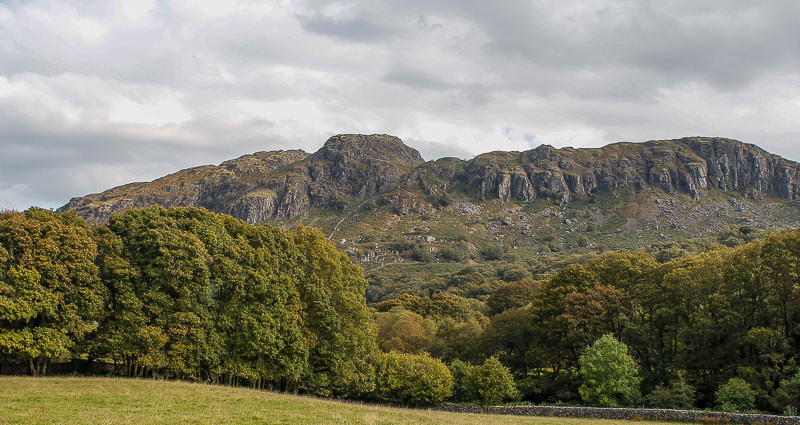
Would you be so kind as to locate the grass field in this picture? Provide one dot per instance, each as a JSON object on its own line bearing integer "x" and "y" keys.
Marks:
{"x": 124, "y": 401}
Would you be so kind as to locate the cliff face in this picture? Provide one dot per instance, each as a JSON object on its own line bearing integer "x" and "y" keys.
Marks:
{"x": 263, "y": 185}
{"x": 232, "y": 187}
{"x": 689, "y": 165}
{"x": 284, "y": 184}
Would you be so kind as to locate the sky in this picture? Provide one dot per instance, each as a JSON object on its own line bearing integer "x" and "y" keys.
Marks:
{"x": 94, "y": 94}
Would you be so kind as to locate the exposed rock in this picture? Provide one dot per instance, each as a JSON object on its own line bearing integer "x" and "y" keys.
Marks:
{"x": 690, "y": 165}
{"x": 269, "y": 184}
{"x": 284, "y": 184}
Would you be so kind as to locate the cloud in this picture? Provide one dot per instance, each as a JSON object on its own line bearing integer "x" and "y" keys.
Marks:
{"x": 96, "y": 94}
{"x": 414, "y": 78}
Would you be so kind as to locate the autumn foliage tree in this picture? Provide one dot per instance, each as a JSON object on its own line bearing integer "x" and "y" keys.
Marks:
{"x": 185, "y": 293}
{"x": 50, "y": 293}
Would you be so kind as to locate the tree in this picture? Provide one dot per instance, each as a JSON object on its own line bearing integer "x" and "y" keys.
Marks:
{"x": 459, "y": 370}
{"x": 512, "y": 295}
{"x": 490, "y": 383}
{"x": 404, "y": 331}
{"x": 736, "y": 395}
{"x": 611, "y": 377}
{"x": 787, "y": 397}
{"x": 171, "y": 286}
{"x": 50, "y": 294}
{"x": 337, "y": 322}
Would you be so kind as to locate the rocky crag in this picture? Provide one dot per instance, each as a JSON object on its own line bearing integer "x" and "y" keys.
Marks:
{"x": 285, "y": 184}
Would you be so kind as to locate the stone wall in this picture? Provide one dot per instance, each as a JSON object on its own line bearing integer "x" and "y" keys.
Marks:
{"x": 631, "y": 414}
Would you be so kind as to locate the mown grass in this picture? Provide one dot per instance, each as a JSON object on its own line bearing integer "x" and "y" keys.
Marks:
{"x": 124, "y": 401}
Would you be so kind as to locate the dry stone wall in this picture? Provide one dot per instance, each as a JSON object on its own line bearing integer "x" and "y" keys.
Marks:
{"x": 623, "y": 413}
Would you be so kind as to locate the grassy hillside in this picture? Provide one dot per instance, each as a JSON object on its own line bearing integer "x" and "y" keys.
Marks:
{"x": 416, "y": 253}
{"x": 123, "y": 401}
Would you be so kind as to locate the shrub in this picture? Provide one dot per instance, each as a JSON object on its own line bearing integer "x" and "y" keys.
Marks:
{"x": 451, "y": 254}
{"x": 678, "y": 395}
{"x": 490, "y": 383}
{"x": 421, "y": 254}
{"x": 412, "y": 379}
{"x": 492, "y": 253}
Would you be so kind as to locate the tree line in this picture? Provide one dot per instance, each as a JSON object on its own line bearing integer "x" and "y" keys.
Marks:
{"x": 692, "y": 325}
{"x": 188, "y": 294}
{"x": 184, "y": 293}
{"x": 697, "y": 327}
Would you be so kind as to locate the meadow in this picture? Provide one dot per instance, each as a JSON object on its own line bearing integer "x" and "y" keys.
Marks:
{"x": 67, "y": 400}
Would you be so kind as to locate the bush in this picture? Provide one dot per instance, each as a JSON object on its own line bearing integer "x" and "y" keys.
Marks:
{"x": 610, "y": 375}
{"x": 490, "y": 383}
{"x": 459, "y": 370}
{"x": 492, "y": 253}
{"x": 421, "y": 254}
{"x": 679, "y": 395}
{"x": 412, "y": 379}
{"x": 451, "y": 254}
{"x": 735, "y": 396}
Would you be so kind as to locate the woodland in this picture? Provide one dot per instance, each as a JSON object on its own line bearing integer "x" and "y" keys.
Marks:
{"x": 184, "y": 293}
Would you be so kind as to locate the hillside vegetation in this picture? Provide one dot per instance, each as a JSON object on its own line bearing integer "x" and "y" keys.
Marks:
{"x": 413, "y": 224}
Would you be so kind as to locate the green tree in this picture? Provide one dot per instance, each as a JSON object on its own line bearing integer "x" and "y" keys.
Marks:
{"x": 171, "y": 284}
{"x": 736, "y": 395}
{"x": 416, "y": 379}
{"x": 787, "y": 397}
{"x": 337, "y": 323}
{"x": 611, "y": 377}
{"x": 50, "y": 294}
{"x": 404, "y": 331}
{"x": 490, "y": 383}
{"x": 459, "y": 370}
{"x": 512, "y": 295}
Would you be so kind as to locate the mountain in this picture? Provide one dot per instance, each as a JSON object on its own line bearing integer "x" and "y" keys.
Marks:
{"x": 413, "y": 224}
{"x": 263, "y": 185}
{"x": 284, "y": 184}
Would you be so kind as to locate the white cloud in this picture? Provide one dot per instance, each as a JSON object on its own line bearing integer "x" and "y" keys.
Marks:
{"x": 161, "y": 112}
{"x": 135, "y": 9}
{"x": 88, "y": 29}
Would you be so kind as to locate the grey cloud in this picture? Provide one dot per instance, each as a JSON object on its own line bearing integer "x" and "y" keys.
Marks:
{"x": 403, "y": 67}
{"x": 431, "y": 150}
{"x": 726, "y": 44}
{"x": 415, "y": 78}
{"x": 349, "y": 29}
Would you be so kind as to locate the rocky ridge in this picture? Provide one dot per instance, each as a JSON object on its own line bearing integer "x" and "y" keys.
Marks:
{"x": 285, "y": 184}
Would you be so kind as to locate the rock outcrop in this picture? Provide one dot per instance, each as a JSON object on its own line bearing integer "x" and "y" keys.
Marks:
{"x": 263, "y": 185}
{"x": 690, "y": 165}
{"x": 284, "y": 184}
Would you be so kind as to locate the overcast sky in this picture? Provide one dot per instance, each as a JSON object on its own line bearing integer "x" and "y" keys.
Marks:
{"x": 98, "y": 94}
